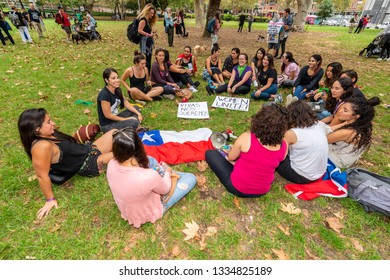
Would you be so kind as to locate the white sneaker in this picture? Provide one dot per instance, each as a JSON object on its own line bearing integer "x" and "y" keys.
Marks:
{"x": 168, "y": 96}
{"x": 379, "y": 59}
{"x": 388, "y": 59}
{"x": 278, "y": 99}
{"x": 141, "y": 102}
{"x": 192, "y": 89}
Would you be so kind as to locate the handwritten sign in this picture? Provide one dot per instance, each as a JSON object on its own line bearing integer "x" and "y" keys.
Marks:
{"x": 193, "y": 110}
{"x": 273, "y": 31}
{"x": 232, "y": 103}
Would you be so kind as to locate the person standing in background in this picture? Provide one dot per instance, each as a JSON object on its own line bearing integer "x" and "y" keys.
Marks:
{"x": 168, "y": 21}
{"x": 288, "y": 21}
{"x": 250, "y": 21}
{"x": 241, "y": 22}
{"x": 35, "y": 17}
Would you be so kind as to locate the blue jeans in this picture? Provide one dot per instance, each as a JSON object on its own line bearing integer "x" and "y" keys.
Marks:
{"x": 185, "y": 184}
{"x": 298, "y": 92}
{"x": 265, "y": 95}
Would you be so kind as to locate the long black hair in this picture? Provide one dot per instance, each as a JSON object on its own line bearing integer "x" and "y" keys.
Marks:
{"x": 331, "y": 102}
{"x": 29, "y": 122}
{"x": 290, "y": 58}
{"x": 337, "y": 68}
{"x": 118, "y": 92}
{"x": 363, "y": 124}
{"x": 127, "y": 144}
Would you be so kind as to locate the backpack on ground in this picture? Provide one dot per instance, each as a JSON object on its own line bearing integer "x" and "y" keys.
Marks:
{"x": 211, "y": 25}
{"x": 13, "y": 17}
{"x": 371, "y": 190}
{"x": 132, "y": 32}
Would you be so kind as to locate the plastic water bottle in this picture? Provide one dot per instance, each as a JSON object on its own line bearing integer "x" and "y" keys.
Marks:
{"x": 255, "y": 84}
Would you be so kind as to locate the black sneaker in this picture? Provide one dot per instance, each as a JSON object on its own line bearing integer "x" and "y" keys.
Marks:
{"x": 209, "y": 90}
{"x": 157, "y": 98}
{"x": 196, "y": 84}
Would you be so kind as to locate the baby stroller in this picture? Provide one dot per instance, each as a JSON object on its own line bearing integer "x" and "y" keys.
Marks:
{"x": 375, "y": 47}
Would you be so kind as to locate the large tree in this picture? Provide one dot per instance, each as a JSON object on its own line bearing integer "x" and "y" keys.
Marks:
{"x": 300, "y": 18}
{"x": 212, "y": 9}
{"x": 199, "y": 13}
{"x": 325, "y": 9}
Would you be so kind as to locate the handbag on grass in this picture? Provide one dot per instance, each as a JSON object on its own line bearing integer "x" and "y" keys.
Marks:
{"x": 86, "y": 133}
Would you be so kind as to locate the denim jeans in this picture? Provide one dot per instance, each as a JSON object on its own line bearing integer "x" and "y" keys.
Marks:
{"x": 265, "y": 95}
{"x": 298, "y": 92}
{"x": 185, "y": 184}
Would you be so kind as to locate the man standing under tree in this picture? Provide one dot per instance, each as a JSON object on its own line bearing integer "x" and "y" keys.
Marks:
{"x": 288, "y": 21}
{"x": 34, "y": 17}
{"x": 241, "y": 22}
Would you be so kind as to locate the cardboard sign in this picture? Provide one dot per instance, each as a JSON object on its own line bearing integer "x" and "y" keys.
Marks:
{"x": 193, "y": 110}
{"x": 273, "y": 31}
{"x": 232, "y": 103}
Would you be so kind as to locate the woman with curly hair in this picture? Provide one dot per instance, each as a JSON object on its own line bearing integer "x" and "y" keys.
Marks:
{"x": 341, "y": 89}
{"x": 147, "y": 19}
{"x": 256, "y": 154}
{"x": 332, "y": 73}
{"x": 308, "y": 145}
{"x": 349, "y": 139}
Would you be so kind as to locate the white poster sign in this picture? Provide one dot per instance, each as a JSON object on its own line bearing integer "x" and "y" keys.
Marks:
{"x": 193, "y": 110}
{"x": 232, "y": 103}
{"x": 273, "y": 31}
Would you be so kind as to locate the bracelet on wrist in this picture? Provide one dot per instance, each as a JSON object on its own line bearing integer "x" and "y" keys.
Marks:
{"x": 50, "y": 199}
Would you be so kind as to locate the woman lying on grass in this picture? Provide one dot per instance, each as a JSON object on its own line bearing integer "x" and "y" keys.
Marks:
{"x": 142, "y": 188}
{"x": 256, "y": 155}
{"x": 56, "y": 156}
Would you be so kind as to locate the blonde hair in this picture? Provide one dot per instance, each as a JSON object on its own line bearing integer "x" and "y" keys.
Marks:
{"x": 144, "y": 14}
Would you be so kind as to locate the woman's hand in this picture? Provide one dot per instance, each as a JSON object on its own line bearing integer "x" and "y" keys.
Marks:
{"x": 166, "y": 167}
{"x": 149, "y": 83}
{"x": 46, "y": 208}
{"x": 140, "y": 117}
{"x": 317, "y": 96}
{"x": 257, "y": 93}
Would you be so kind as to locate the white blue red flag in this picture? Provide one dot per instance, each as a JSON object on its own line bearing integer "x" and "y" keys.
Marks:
{"x": 175, "y": 147}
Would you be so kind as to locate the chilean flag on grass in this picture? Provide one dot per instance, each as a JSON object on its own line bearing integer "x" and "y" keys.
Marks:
{"x": 332, "y": 184}
{"x": 175, "y": 147}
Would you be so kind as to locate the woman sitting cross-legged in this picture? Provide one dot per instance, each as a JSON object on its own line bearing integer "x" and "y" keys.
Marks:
{"x": 267, "y": 80}
{"x": 187, "y": 60}
{"x": 161, "y": 77}
{"x": 214, "y": 64}
{"x": 256, "y": 62}
{"x": 230, "y": 62}
{"x": 289, "y": 69}
{"x": 142, "y": 188}
{"x": 309, "y": 77}
{"x": 240, "y": 80}
{"x": 180, "y": 75}
{"x": 56, "y": 157}
{"x": 110, "y": 99}
{"x": 256, "y": 154}
{"x": 308, "y": 145}
{"x": 140, "y": 85}
{"x": 352, "y": 136}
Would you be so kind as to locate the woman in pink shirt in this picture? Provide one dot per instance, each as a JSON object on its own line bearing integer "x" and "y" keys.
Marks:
{"x": 255, "y": 154}
{"x": 140, "y": 186}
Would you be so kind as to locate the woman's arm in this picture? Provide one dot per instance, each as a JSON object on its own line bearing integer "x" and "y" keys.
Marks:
{"x": 41, "y": 159}
{"x": 314, "y": 82}
{"x": 141, "y": 26}
{"x": 298, "y": 80}
{"x": 242, "y": 142}
{"x": 128, "y": 73}
{"x": 327, "y": 119}
{"x": 130, "y": 107}
{"x": 267, "y": 85}
{"x": 208, "y": 67}
{"x": 220, "y": 64}
{"x": 290, "y": 137}
{"x": 106, "y": 108}
{"x": 246, "y": 77}
{"x": 341, "y": 135}
{"x": 231, "y": 81}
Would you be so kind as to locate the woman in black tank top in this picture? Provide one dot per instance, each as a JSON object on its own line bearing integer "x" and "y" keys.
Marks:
{"x": 214, "y": 65}
{"x": 187, "y": 60}
{"x": 56, "y": 156}
{"x": 140, "y": 87}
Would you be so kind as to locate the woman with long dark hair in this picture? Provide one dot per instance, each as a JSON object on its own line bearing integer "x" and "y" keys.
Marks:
{"x": 147, "y": 19}
{"x": 332, "y": 73}
{"x": 110, "y": 100}
{"x": 267, "y": 80}
{"x": 352, "y": 136}
{"x": 214, "y": 64}
{"x": 56, "y": 157}
{"x": 308, "y": 145}
{"x": 230, "y": 62}
{"x": 309, "y": 77}
{"x": 256, "y": 155}
{"x": 289, "y": 70}
{"x": 142, "y": 188}
{"x": 256, "y": 64}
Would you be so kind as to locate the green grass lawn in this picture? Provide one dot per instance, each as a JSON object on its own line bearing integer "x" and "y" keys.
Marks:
{"x": 54, "y": 74}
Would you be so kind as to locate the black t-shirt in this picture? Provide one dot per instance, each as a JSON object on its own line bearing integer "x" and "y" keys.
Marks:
{"x": 265, "y": 75}
{"x": 34, "y": 15}
{"x": 115, "y": 102}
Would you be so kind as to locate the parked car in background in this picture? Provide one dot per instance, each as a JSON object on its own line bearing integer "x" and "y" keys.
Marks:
{"x": 382, "y": 25}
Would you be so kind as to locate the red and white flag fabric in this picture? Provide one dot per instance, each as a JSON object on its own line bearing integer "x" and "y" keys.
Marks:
{"x": 175, "y": 147}
{"x": 332, "y": 184}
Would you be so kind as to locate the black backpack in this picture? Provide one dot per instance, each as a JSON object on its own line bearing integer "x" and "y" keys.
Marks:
{"x": 369, "y": 189}
{"x": 132, "y": 32}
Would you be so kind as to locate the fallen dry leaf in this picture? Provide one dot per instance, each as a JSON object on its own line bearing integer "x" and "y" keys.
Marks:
{"x": 311, "y": 255}
{"x": 357, "y": 244}
{"x": 55, "y": 228}
{"x": 40, "y": 93}
{"x": 9, "y": 71}
{"x": 153, "y": 115}
{"x": 32, "y": 178}
{"x": 175, "y": 251}
{"x": 87, "y": 111}
{"x": 280, "y": 254}
{"x": 339, "y": 215}
{"x": 201, "y": 180}
{"x": 211, "y": 231}
{"x": 202, "y": 165}
{"x": 191, "y": 231}
{"x": 53, "y": 87}
{"x": 236, "y": 202}
{"x": 305, "y": 212}
{"x": 334, "y": 224}
{"x": 68, "y": 96}
{"x": 290, "y": 208}
{"x": 285, "y": 230}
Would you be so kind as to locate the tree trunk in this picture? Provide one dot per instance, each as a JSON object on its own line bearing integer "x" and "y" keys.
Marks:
{"x": 89, "y": 5}
{"x": 199, "y": 13}
{"x": 212, "y": 9}
{"x": 300, "y": 18}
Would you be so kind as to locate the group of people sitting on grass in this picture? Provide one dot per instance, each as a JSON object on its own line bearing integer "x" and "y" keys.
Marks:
{"x": 295, "y": 140}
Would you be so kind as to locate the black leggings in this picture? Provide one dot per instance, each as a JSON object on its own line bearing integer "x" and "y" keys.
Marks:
{"x": 243, "y": 89}
{"x": 223, "y": 169}
{"x": 184, "y": 78}
{"x": 285, "y": 170}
